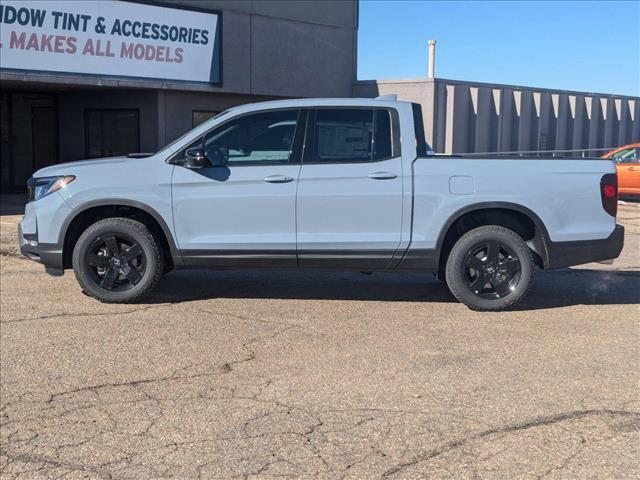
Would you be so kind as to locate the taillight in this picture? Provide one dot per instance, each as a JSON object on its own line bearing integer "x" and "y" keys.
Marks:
{"x": 609, "y": 193}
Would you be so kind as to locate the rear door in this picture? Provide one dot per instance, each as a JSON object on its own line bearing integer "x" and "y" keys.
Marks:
{"x": 240, "y": 211}
{"x": 349, "y": 201}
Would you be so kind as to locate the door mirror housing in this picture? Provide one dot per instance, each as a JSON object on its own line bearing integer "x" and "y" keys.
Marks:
{"x": 195, "y": 158}
{"x": 219, "y": 156}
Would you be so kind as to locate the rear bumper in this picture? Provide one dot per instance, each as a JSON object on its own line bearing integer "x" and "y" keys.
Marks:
{"x": 566, "y": 254}
{"x": 48, "y": 254}
{"x": 629, "y": 192}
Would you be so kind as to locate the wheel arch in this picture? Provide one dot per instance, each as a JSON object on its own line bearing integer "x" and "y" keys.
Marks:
{"x": 527, "y": 224}
{"x": 90, "y": 212}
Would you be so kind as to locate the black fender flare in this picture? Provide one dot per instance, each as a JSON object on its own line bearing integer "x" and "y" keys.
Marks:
{"x": 123, "y": 202}
{"x": 538, "y": 243}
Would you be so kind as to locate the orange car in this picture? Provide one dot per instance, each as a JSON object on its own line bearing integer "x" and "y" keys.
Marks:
{"x": 627, "y": 159}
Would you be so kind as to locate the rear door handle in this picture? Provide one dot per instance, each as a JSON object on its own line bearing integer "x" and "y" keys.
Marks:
{"x": 382, "y": 175}
{"x": 278, "y": 179}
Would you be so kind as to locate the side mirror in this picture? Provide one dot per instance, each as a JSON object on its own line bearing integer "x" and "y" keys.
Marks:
{"x": 219, "y": 156}
{"x": 196, "y": 158}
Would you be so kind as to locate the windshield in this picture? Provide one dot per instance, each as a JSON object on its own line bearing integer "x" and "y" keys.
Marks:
{"x": 184, "y": 135}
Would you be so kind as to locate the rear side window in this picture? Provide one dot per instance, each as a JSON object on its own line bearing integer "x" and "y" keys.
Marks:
{"x": 350, "y": 135}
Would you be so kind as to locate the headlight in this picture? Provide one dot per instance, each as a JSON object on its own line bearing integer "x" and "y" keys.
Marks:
{"x": 43, "y": 186}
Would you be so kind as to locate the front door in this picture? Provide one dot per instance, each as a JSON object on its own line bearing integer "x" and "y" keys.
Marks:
{"x": 349, "y": 204}
{"x": 241, "y": 210}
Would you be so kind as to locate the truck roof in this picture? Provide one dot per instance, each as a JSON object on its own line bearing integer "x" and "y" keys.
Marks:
{"x": 317, "y": 102}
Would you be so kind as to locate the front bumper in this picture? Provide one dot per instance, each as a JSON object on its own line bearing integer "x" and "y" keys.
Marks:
{"x": 567, "y": 254}
{"x": 49, "y": 254}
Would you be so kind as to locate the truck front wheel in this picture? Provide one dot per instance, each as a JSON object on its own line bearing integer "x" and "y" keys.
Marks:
{"x": 117, "y": 260}
{"x": 490, "y": 268}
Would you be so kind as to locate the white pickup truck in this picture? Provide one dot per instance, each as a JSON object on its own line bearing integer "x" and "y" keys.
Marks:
{"x": 345, "y": 184}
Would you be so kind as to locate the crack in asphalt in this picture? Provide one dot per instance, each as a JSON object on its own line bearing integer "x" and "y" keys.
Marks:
{"x": 85, "y": 314}
{"x": 226, "y": 367}
{"x": 340, "y": 441}
{"x": 130, "y": 383}
{"x": 311, "y": 434}
{"x": 565, "y": 463}
{"x": 41, "y": 460}
{"x": 140, "y": 308}
{"x": 539, "y": 422}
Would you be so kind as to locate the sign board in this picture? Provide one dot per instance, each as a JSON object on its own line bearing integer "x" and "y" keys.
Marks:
{"x": 110, "y": 37}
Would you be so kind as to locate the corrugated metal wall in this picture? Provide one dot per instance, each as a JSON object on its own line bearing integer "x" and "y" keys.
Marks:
{"x": 468, "y": 117}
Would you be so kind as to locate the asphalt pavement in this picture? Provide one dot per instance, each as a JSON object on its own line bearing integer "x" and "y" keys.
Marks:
{"x": 320, "y": 375}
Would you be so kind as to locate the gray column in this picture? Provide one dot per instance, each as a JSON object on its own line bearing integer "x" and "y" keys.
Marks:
{"x": 612, "y": 118}
{"x": 580, "y": 123}
{"x": 564, "y": 122}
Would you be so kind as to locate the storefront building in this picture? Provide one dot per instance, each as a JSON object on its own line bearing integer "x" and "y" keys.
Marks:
{"x": 114, "y": 77}
{"x": 110, "y": 77}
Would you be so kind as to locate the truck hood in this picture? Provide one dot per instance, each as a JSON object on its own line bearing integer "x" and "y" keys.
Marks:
{"x": 70, "y": 168}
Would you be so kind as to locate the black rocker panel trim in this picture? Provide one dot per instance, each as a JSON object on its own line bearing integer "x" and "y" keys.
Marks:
{"x": 240, "y": 258}
{"x": 346, "y": 259}
{"x": 312, "y": 259}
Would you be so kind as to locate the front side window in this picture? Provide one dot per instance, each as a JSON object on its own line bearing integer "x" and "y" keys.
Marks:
{"x": 350, "y": 135}
{"x": 260, "y": 137}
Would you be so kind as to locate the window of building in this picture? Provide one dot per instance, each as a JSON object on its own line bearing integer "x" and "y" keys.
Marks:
{"x": 111, "y": 132}
{"x": 347, "y": 135}
{"x": 201, "y": 116}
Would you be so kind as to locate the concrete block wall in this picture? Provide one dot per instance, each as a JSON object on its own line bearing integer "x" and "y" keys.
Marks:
{"x": 470, "y": 117}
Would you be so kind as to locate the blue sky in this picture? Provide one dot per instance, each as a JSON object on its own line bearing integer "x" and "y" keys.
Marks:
{"x": 575, "y": 45}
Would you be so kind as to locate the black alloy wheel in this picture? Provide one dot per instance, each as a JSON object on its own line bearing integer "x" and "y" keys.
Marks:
{"x": 492, "y": 270}
{"x": 489, "y": 268}
{"x": 117, "y": 262}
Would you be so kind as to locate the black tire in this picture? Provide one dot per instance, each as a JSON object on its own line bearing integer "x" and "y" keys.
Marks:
{"x": 117, "y": 260}
{"x": 500, "y": 279}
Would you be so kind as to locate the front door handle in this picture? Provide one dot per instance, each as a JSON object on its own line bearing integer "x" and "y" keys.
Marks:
{"x": 278, "y": 179}
{"x": 382, "y": 175}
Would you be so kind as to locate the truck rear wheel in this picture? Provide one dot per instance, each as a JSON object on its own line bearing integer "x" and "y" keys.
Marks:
{"x": 117, "y": 260}
{"x": 490, "y": 268}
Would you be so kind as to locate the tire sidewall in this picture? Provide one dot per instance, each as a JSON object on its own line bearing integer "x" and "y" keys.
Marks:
{"x": 470, "y": 240}
{"x": 138, "y": 232}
